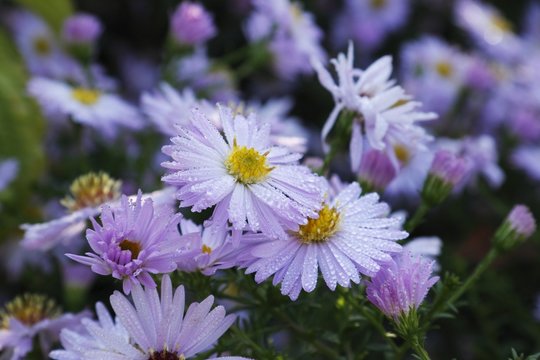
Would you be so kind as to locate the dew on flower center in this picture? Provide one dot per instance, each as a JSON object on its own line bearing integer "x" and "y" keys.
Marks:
{"x": 377, "y": 4}
{"x": 165, "y": 355}
{"x": 91, "y": 190}
{"x": 42, "y": 46}
{"x": 444, "y": 69}
{"x": 133, "y": 247}
{"x": 86, "y": 96}
{"x": 29, "y": 309}
{"x": 247, "y": 165}
{"x": 320, "y": 229}
{"x": 402, "y": 153}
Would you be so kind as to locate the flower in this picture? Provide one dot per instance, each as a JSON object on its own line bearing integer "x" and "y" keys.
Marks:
{"x": 191, "y": 24}
{"x": 153, "y": 327}
{"x": 352, "y": 235}
{"x": 518, "y": 226}
{"x": 526, "y": 158}
{"x": 29, "y": 316}
{"x": 93, "y": 107}
{"x": 9, "y": 169}
{"x": 401, "y": 285}
{"x": 133, "y": 241}
{"x": 376, "y": 170}
{"x": 381, "y": 113}
{"x": 81, "y": 28}
{"x": 293, "y": 36}
{"x": 252, "y": 184}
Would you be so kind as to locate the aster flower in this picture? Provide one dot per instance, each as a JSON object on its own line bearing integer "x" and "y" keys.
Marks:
{"x": 526, "y": 158}
{"x": 133, "y": 241}
{"x": 368, "y": 22}
{"x": 376, "y": 170}
{"x": 88, "y": 193}
{"x": 191, "y": 24}
{"x": 383, "y": 115}
{"x": 351, "y": 236}
{"x": 9, "y": 169}
{"x": 153, "y": 327}
{"x": 401, "y": 285}
{"x": 293, "y": 36}
{"x": 518, "y": 226}
{"x": 30, "y": 316}
{"x": 252, "y": 185}
{"x": 105, "y": 112}
{"x": 81, "y": 28}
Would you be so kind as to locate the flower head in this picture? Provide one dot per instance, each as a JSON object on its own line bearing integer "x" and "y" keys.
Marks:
{"x": 351, "y": 236}
{"x": 376, "y": 170}
{"x": 27, "y": 316}
{"x": 401, "y": 285}
{"x": 252, "y": 184}
{"x": 191, "y": 24}
{"x": 133, "y": 241}
{"x": 518, "y": 226}
{"x": 153, "y": 327}
{"x": 81, "y": 28}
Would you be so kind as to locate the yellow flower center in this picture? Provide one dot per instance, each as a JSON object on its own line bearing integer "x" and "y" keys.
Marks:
{"x": 402, "y": 153}
{"x": 320, "y": 229}
{"x": 86, "y": 96}
{"x": 29, "y": 309}
{"x": 42, "y": 45}
{"x": 444, "y": 69}
{"x": 247, "y": 165}
{"x": 166, "y": 355}
{"x": 132, "y": 246}
{"x": 501, "y": 23}
{"x": 91, "y": 190}
{"x": 378, "y": 4}
{"x": 206, "y": 249}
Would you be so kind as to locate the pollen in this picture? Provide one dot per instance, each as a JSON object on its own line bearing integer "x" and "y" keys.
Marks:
{"x": 29, "y": 309}
{"x": 247, "y": 165}
{"x": 402, "y": 153}
{"x": 378, "y": 4}
{"x": 501, "y": 23}
{"x": 166, "y": 355}
{"x": 42, "y": 46}
{"x": 444, "y": 69}
{"x": 91, "y": 190}
{"x": 86, "y": 96}
{"x": 320, "y": 229}
{"x": 132, "y": 246}
{"x": 206, "y": 249}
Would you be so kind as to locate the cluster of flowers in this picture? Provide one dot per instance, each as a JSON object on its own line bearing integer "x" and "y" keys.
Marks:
{"x": 270, "y": 214}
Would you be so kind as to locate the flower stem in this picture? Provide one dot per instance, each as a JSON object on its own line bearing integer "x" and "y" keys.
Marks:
{"x": 418, "y": 217}
{"x": 419, "y": 349}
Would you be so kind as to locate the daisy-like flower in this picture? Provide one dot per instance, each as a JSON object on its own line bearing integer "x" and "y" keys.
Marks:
{"x": 293, "y": 36}
{"x": 401, "y": 285}
{"x": 384, "y": 116}
{"x": 93, "y": 107}
{"x": 152, "y": 328}
{"x": 30, "y": 316}
{"x": 251, "y": 184}
{"x": 350, "y": 237}
{"x": 133, "y": 241}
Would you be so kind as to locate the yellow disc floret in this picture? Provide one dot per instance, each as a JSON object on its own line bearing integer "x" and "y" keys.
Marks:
{"x": 402, "y": 153}
{"x": 86, "y": 96}
{"x": 378, "y": 4}
{"x": 320, "y": 229}
{"x": 133, "y": 247}
{"x": 28, "y": 309}
{"x": 42, "y": 45}
{"x": 247, "y": 165}
{"x": 444, "y": 69}
{"x": 91, "y": 190}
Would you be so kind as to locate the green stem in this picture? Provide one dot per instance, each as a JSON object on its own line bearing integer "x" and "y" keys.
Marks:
{"x": 328, "y": 160}
{"x": 418, "y": 217}
{"x": 378, "y": 326}
{"x": 419, "y": 349}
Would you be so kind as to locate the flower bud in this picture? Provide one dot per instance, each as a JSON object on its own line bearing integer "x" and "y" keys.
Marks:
{"x": 191, "y": 24}
{"x": 516, "y": 228}
{"x": 447, "y": 171}
{"x": 81, "y": 29}
{"x": 376, "y": 171}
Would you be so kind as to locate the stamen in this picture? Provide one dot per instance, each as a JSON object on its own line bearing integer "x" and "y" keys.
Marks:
{"x": 247, "y": 165}
{"x": 91, "y": 190}
{"x": 320, "y": 229}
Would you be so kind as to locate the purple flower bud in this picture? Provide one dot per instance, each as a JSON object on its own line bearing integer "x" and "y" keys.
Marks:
{"x": 448, "y": 167}
{"x": 81, "y": 28}
{"x": 522, "y": 221}
{"x": 376, "y": 170}
{"x": 401, "y": 285}
{"x": 191, "y": 24}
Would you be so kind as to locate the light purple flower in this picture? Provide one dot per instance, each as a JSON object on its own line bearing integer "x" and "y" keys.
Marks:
{"x": 253, "y": 185}
{"x": 376, "y": 170}
{"x": 385, "y": 117}
{"x": 448, "y": 167}
{"x": 133, "y": 241}
{"x": 30, "y": 316}
{"x": 191, "y": 24}
{"x": 527, "y": 158}
{"x": 9, "y": 169}
{"x": 153, "y": 327}
{"x": 351, "y": 236}
{"x": 93, "y": 107}
{"x": 522, "y": 221}
{"x": 81, "y": 28}
{"x": 401, "y": 285}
